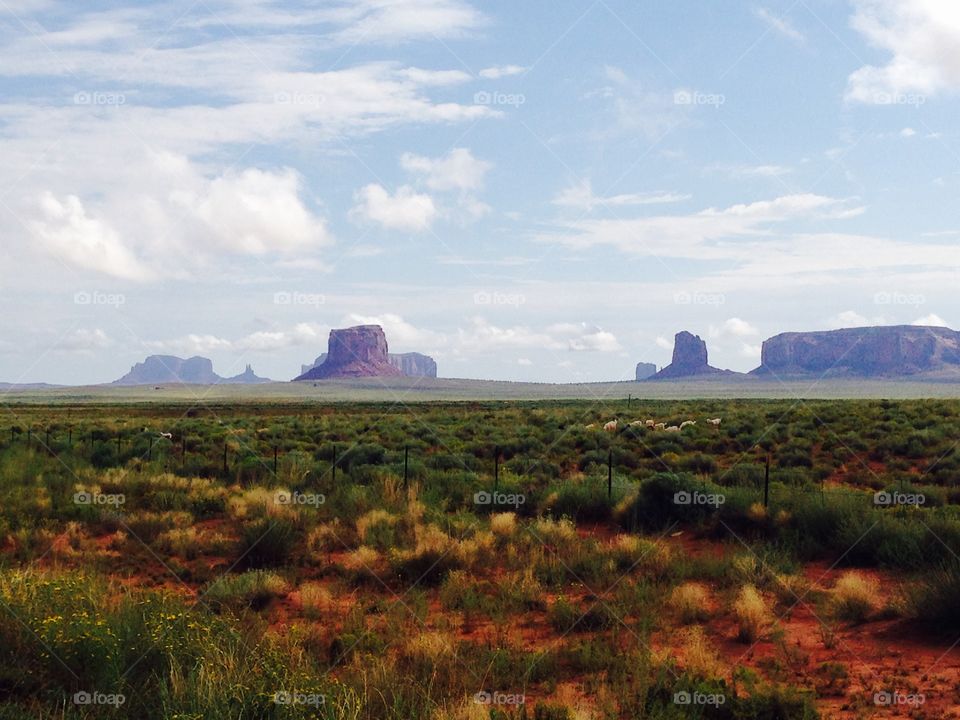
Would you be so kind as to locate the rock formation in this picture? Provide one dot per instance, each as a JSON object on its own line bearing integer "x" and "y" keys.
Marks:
{"x": 645, "y": 370}
{"x": 689, "y": 359}
{"x": 865, "y": 352}
{"x": 247, "y": 377}
{"x": 411, "y": 364}
{"x": 159, "y": 369}
{"x": 354, "y": 352}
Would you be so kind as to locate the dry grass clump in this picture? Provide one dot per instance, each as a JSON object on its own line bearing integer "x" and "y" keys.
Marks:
{"x": 854, "y": 597}
{"x": 752, "y": 614}
{"x": 377, "y": 528}
{"x": 561, "y": 534}
{"x": 699, "y": 656}
{"x": 333, "y": 535}
{"x": 631, "y": 552}
{"x": 315, "y": 599}
{"x": 691, "y": 602}
{"x": 478, "y": 552}
{"x": 503, "y": 525}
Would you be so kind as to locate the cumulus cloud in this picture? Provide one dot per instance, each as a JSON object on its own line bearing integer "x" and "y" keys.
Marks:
{"x": 65, "y": 230}
{"x": 931, "y": 320}
{"x": 405, "y": 210}
{"x": 733, "y": 327}
{"x": 457, "y": 170}
{"x": 482, "y": 336}
{"x": 261, "y": 341}
{"x": 923, "y": 40}
{"x": 401, "y": 334}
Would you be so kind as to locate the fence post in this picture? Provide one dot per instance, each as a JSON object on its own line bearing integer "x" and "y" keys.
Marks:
{"x": 183, "y": 451}
{"x": 276, "y": 451}
{"x": 226, "y": 468}
{"x": 334, "y": 467}
{"x": 48, "y": 442}
{"x": 496, "y": 468}
{"x": 150, "y": 450}
{"x": 70, "y": 438}
{"x": 406, "y": 464}
{"x": 119, "y": 437}
{"x": 29, "y": 437}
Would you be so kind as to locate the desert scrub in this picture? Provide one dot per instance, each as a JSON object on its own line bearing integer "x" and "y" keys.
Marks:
{"x": 854, "y": 597}
{"x": 633, "y": 553}
{"x": 503, "y": 526}
{"x": 429, "y": 562}
{"x": 698, "y": 656}
{"x": 377, "y": 529}
{"x": 268, "y": 542}
{"x": 691, "y": 603}
{"x": 751, "y": 612}
{"x": 315, "y": 599}
{"x": 252, "y": 589}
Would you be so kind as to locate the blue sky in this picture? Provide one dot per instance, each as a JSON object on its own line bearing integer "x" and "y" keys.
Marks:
{"x": 525, "y": 191}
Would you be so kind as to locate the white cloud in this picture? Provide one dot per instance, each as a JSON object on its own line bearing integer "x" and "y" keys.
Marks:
{"x": 733, "y": 327}
{"x": 664, "y": 343}
{"x": 401, "y": 334}
{"x": 501, "y": 71}
{"x": 780, "y": 24}
{"x": 395, "y": 20}
{"x": 923, "y": 37}
{"x": 581, "y": 197}
{"x": 457, "y": 170}
{"x": 405, "y": 210}
{"x": 581, "y": 337}
{"x": 526, "y": 362}
{"x": 931, "y": 320}
{"x": 261, "y": 341}
{"x": 84, "y": 340}
{"x": 66, "y": 231}
{"x": 908, "y": 132}
{"x": 696, "y": 235}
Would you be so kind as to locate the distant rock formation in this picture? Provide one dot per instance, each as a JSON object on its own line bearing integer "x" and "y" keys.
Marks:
{"x": 645, "y": 370}
{"x": 866, "y": 352}
{"x": 247, "y": 377}
{"x": 354, "y": 352}
{"x": 689, "y": 359}
{"x": 159, "y": 369}
{"x": 411, "y": 364}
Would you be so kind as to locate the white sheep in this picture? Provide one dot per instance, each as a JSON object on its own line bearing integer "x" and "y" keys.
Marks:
{"x": 635, "y": 423}
{"x": 660, "y": 426}
{"x": 167, "y": 436}
{"x": 715, "y": 421}
{"x": 673, "y": 428}
{"x": 650, "y": 423}
{"x": 610, "y": 426}
{"x": 687, "y": 423}
{"x": 591, "y": 426}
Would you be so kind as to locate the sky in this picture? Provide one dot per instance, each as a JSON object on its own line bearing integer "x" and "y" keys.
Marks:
{"x": 526, "y": 190}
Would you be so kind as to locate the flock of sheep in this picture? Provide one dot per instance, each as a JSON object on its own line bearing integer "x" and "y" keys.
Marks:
{"x": 653, "y": 425}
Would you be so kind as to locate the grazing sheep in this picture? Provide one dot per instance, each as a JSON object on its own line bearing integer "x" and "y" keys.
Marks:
{"x": 636, "y": 422}
{"x": 673, "y": 428}
{"x": 168, "y": 436}
{"x": 687, "y": 423}
{"x": 610, "y": 426}
{"x": 660, "y": 426}
{"x": 650, "y": 423}
{"x": 715, "y": 421}
{"x": 591, "y": 426}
